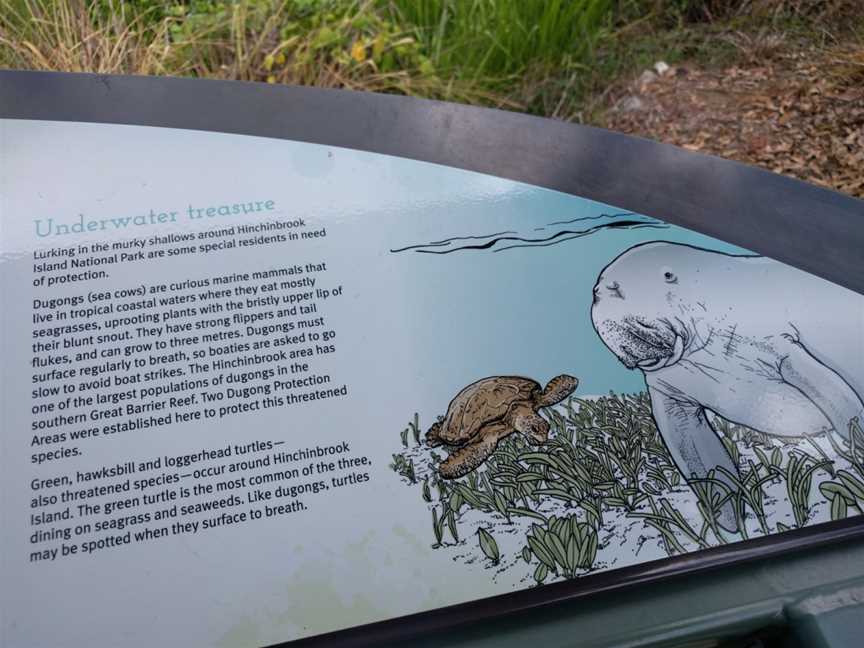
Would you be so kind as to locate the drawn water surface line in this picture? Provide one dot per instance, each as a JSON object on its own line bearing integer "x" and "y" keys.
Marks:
{"x": 447, "y": 241}
{"x": 509, "y": 240}
{"x": 627, "y": 225}
{"x": 583, "y": 218}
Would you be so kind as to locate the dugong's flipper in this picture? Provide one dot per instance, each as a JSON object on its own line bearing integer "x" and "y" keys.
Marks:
{"x": 825, "y": 388}
{"x": 692, "y": 442}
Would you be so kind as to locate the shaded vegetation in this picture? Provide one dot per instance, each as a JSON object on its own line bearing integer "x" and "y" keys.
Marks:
{"x": 545, "y": 57}
{"x": 566, "y": 59}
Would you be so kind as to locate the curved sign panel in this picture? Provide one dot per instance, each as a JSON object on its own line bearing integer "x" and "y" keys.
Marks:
{"x": 257, "y": 389}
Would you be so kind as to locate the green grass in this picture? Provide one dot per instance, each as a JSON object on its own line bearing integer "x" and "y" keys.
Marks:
{"x": 498, "y": 42}
{"x": 549, "y": 57}
{"x": 495, "y": 38}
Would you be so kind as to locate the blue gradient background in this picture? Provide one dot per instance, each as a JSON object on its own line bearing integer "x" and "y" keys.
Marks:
{"x": 524, "y": 311}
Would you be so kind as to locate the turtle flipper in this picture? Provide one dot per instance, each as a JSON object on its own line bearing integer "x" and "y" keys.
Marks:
{"x": 526, "y": 420}
{"x": 559, "y": 388}
{"x": 472, "y": 455}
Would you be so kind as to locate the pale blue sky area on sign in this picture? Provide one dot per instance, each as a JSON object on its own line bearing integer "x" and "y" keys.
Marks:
{"x": 526, "y": 310}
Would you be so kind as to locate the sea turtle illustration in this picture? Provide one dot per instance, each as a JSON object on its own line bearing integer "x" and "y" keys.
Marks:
{"x": 490, "y": 409}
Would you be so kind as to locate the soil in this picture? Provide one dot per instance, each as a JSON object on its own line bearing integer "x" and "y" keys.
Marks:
{"x": 796, "y": 113}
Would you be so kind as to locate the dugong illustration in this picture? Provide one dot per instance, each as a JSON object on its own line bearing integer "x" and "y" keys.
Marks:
{"x": 755, "y": 341}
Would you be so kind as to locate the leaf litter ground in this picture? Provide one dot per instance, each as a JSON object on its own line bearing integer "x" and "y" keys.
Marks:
{"x": 794, "y": 111}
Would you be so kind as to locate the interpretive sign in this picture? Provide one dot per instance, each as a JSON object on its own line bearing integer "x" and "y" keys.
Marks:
{"x": 257, "y": 389}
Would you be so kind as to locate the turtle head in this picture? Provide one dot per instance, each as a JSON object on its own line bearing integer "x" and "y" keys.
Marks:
{"x": 531, "y": 424}
{"x": 640, "y": 306}
{"x": 433, "y": 438}
{"x": 559, "y": 388}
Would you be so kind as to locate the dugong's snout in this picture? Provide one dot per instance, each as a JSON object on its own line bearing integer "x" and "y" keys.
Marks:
{"x": 633, "y": 310}
{"x": 607, "y": 289}
{"x": 638, "y": 343}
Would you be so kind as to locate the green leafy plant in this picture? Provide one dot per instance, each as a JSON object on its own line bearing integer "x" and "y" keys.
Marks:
{"x": 437, "y": 527}
{"x": 798, "y": 472}
{"x": 848, "y": 489}
{"x": 671, "y": 523}
{"x": 414, "y": 426}
{"x": 488, "y": 545}
{"x": 404, "y": 467}
{"x": 605, "y": 461}
{"x": 564, "y": 544}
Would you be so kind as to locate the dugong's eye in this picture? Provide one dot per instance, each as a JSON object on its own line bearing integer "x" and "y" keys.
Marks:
{"x": 670, "y": 277}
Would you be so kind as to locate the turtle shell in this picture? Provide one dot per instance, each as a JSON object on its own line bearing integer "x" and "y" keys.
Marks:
{"x": 482, "y": 402}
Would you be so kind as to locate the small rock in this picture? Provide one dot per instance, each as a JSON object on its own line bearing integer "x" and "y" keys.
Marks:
{"x": 662, "y": 68}
{"x": 647, "y": 77}
{"x": 631, "y": 104}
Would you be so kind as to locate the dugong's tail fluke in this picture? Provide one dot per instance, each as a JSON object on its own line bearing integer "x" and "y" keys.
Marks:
{"x": 559, "y": 388}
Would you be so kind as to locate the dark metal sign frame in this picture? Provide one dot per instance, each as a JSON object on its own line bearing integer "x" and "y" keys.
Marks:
{"x": 815, "y": 229}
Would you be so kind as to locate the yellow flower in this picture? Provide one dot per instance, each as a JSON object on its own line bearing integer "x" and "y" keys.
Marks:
{"x": 358, "y": 51}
